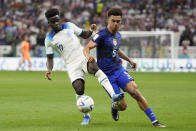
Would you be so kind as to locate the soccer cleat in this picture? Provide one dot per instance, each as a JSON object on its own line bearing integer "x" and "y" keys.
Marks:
{"x": 117, "y": 97}
{"x": 158, "y": 124}
{"x": 115, "y": 114}
{"x": 86, "y": 120}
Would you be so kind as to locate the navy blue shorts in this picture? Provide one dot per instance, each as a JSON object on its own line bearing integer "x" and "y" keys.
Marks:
{"x": 119, "y": 79}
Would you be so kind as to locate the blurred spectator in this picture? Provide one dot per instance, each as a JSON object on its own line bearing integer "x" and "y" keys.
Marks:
{"x": 19, "y": 17}
{"x": 186, "y": 38}
{"x": 99, "y": 7}
{"x": 33, "y": 39}
{"x": 8, "y": 37}
{"x": 38, "y": 51}
{"x": 194, "y": 37}
{"x": 41, "y": 37}
{"x": 2, "y": 37}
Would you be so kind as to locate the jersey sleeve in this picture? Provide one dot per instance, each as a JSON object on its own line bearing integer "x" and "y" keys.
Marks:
{"x": 98, "y": 38}
{"x": 48, "y": 47}
{"x": 69, "y": 25}
{"x": 76, "y": 29}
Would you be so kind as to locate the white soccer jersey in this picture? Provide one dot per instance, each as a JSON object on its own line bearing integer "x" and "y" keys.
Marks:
{"x": 65, "y": 42}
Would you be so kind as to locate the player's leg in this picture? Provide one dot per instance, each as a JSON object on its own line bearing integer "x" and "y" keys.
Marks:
{"x": 121, "y": 105}
{"x": 76, "y": 76}
{"x": 20, "y": 64}
{"x": 116, "y": 106}
{"x": 78, "y": 86}
{"x": 29, "y": 64}
{"x": 92, "y": 68}
{"x": 126, "y": 82}
{"x": 132, "y": 89}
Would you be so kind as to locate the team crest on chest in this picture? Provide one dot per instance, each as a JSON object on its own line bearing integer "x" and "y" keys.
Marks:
{"x": 69, "y": 34}
{"x": 114, "y": 42}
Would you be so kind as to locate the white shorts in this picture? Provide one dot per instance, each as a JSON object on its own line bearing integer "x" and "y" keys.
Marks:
{"x": 77, "y": 69}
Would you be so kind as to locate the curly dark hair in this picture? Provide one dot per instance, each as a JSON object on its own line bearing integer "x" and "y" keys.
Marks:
{"x": 51, "y": 12}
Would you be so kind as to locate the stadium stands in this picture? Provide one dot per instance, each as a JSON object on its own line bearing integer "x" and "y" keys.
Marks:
{"x": 27, "y": 16}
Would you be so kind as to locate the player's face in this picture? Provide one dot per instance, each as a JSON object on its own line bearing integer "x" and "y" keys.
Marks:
{"x": 114, "y": 23}
{"x": 54, "y": 23}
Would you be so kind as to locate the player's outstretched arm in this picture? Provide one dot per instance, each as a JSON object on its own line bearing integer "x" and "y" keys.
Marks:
{"x": 49, "y": 65}
{"x": 87, "y": 49}
{"x": 125, "y": 57}
{"x": 87, "y": 33}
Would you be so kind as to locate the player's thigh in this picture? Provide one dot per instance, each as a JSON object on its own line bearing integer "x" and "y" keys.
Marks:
{"x": 75, "y": 72}
{"x": 131, "y": 87}
{"x": 28, "y": 58}
{"x": 92, "y": 67}
{"x": 123, "y": 79}
{"x": 23, "y": 58}
{"x": 89, "y": 67}
{"x": 114, "y": 84}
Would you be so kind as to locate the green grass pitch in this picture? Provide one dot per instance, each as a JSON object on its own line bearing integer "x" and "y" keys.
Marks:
{"x": 28, "y": 102}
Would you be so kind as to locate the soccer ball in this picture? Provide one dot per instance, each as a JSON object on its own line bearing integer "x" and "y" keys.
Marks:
{"x": 85, "y": 104}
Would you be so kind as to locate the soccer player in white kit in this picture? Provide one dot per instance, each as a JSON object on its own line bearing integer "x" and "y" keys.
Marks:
{"x": 63, "y": 39}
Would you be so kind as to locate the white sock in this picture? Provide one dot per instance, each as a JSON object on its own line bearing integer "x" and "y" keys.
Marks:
{"x": 86, "y": 114}
{"x": 103, "y": 80}
{"x": 78, "y": 96}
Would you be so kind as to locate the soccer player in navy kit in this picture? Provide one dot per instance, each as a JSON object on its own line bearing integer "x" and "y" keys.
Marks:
{"x": 107, "y": 42}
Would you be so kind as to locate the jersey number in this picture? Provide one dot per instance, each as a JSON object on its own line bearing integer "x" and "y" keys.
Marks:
{"x": 60, "y": 47}
{"x": 114, "y": 53}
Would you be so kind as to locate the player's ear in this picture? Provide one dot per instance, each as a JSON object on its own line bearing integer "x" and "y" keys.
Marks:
{"x": 48, "y": 23}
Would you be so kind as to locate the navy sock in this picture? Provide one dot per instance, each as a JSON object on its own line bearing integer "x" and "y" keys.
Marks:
{"x": 150, "y": 115}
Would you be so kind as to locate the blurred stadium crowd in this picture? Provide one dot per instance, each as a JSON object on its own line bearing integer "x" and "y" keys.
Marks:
{"x": 19, "y": 17}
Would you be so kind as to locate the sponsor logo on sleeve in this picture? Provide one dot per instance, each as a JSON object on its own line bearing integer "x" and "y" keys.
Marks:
{"x": 95, "y": 37}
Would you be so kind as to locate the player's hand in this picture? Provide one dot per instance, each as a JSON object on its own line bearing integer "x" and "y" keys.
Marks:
{"x": 134, "y": 65}
{"x": 48, "y": 75}
{"x": 93, "y": 27}
{"x": 91, "y": 59}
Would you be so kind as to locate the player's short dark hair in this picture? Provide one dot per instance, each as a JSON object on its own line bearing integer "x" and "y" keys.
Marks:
{"x": 51, "y": 12}
{"x": 115, "y": 12}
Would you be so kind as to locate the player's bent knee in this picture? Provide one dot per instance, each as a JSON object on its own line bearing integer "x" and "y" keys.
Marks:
{"x": 92, "y": 71}
{"x": 133, "y": 85}
{"x": 92, "y": 67}
{"x": 123, "y": 107}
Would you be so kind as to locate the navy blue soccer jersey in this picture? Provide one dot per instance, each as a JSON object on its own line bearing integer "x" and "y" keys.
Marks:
{"x": 107, "y": 50}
